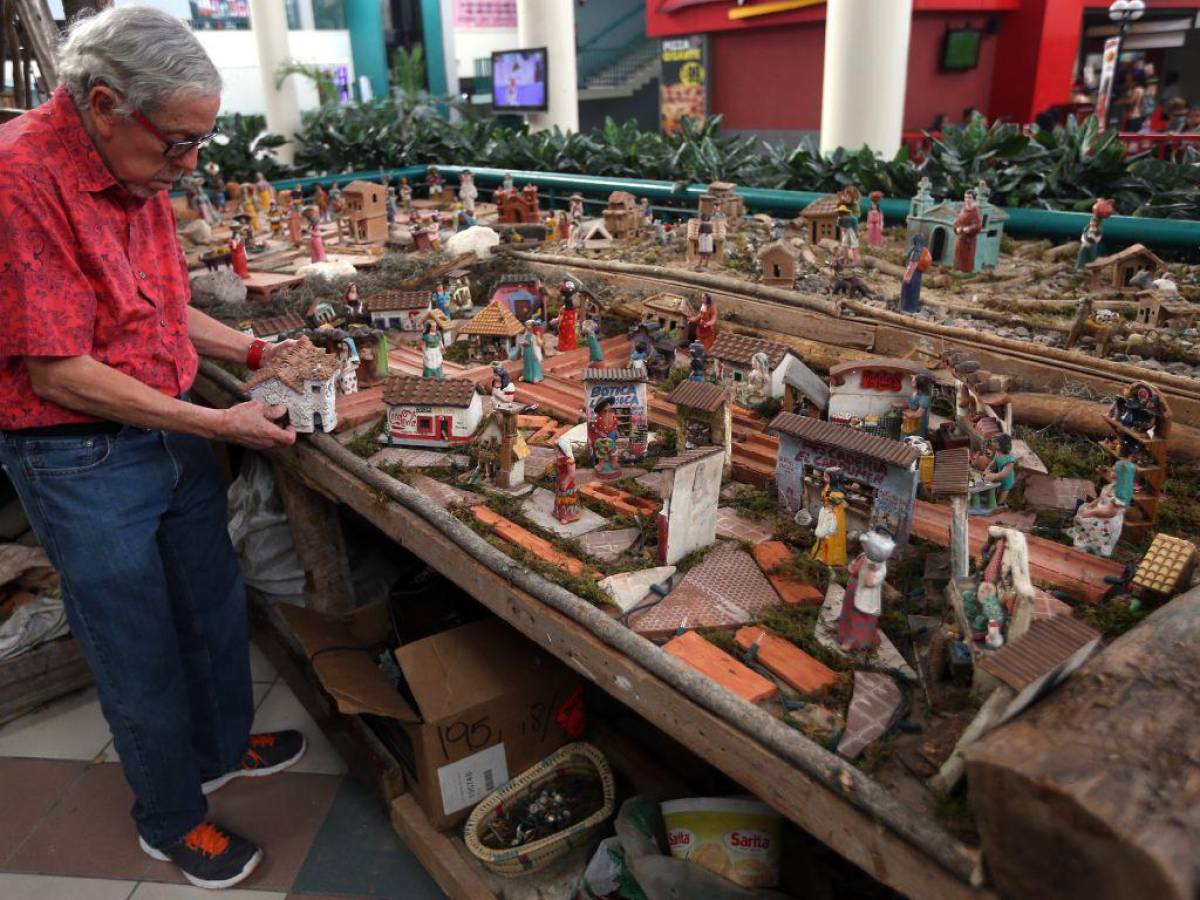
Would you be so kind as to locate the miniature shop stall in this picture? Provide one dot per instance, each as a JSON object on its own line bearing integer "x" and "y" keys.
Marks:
{"x": 735, "y": 366}
{"x": 882, "y": 471}
{"x": 461, "y": 300}
{"x": 703, "y": 418}
{"x": 365, "y": 212}
{"x": 492, "y": 333}
{"x": 670, "y": 311}
{"x": 304, "y": 379}
{"x": 873, "y": 393}
{"x": 690, "y": 491}
{"x": 398, "y": 310}
{"x": 430, "y": 412}
{"x": 523, "y": 293}
{"x": 939, "y": 224}
{"x": 625, "y": 389}
{"x": 1116, "y": 272}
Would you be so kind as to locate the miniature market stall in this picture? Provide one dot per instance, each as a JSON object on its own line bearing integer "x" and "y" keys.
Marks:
{"x": 625, "y": 391}
{"x": 872, "y": 394}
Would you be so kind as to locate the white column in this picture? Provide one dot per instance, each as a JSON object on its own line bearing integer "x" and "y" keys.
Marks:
{"x": 307, "y": 22}
{"x": 268, "y": 19}
{"x": 551, "y": 24}
{"x": 866, "y": 63}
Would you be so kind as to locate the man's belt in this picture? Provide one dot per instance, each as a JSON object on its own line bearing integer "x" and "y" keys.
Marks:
{"x": 67, "y": 429}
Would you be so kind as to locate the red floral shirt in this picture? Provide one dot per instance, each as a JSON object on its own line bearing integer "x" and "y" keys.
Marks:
{"x": 85, "y": 267}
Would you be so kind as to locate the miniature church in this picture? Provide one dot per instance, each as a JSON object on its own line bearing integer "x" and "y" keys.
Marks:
{"x": 935, "y": 222}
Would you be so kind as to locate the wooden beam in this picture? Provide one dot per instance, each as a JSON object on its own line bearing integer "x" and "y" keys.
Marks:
{"x": 317, "y": 534}
{"x": 42, "y": 36}
{"x": 454, "y": 875}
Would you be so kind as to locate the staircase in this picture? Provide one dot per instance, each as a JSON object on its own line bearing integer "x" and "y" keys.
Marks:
{"x": 625, "y": 75}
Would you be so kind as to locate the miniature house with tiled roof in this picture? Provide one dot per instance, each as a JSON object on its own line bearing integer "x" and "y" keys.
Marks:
{"x": 734, "y": 361}
{"x": 778, "y": 260}
{"x": 492, "y": 333}
{"x": 273, "y": 327}
{"x": 703, "y": 418}
{"x": 622, "y": 219}
{"x": 431, "y": 412}
{"x": 398, "y": 310}
{"x": 304, "y": 379}
{"x": 626, "y": 388}
{"x": 1117, "y": 271}
{"x": 365, "y": 215}
{"x": 820, "y": 218}
{"x": 879, "y": 473}
{"x": 670, "y": 311}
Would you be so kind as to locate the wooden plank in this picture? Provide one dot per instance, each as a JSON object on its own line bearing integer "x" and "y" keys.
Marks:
{"x": 454, "y": 875}
{"x": 317, "y": 534}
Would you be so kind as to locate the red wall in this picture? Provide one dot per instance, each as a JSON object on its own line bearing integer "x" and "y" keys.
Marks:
{"x": 770, "y": 79}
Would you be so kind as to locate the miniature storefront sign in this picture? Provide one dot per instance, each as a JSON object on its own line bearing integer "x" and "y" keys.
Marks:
{"x": 626, "y": 389}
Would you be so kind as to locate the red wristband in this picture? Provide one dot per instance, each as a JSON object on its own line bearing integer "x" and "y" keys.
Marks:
{"x": 255, "y": 354}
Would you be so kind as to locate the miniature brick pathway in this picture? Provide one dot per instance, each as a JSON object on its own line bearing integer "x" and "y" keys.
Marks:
{"x": 734, "y": 527}
{"x": 873, "y": 708}
{"x": 608, "y": 545}
{"x": 717, "y": 665}
{"x": 415, "y": 458}
{"x": 726, "y": 590}
{"x": 769, "y": 555}
{"x": 527, "y": 540}
{"x": 444, "y": 495}
{"x": 621, "y": 502}
{"x": 783, "y": 658}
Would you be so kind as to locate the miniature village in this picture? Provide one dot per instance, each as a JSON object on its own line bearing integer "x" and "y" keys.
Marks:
{"x": 769, "y": 446}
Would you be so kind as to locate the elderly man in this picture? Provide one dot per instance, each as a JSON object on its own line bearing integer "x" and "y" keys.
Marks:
{"x": 111, "y": 461}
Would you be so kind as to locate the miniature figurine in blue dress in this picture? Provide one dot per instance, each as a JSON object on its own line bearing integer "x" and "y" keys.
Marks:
{"x": 917, "y": 420}
{"x": 699, "y": 358}
{"x": 590, "y": 331}
{"x": 391, "y": 206}
{"x": 917, "y": 262}
{"x": 531, "y": 354}
{"x": 441, "y": 298}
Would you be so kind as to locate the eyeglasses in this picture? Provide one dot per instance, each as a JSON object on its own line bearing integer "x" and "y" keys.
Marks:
{"x": 174, "y": 149}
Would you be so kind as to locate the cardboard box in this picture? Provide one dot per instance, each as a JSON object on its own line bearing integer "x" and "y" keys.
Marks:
{"x": 480, "y": 708}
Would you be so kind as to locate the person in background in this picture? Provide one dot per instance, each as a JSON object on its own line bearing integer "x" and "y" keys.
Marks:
{"x": 1193, "y": 121}
{"x": 1175, "y": 111}
{"x": 110, "y": 458}
{"x": 969, "y": 113}
{"x": 1171, "y": 88}
{"x": 938, "y": 123}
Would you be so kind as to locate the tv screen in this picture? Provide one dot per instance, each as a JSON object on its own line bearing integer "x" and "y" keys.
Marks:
{"x": 961, "y": 49}
{"x": 519, "y": 80}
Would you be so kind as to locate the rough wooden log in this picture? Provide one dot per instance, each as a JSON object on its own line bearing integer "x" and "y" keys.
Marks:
{"x": 1087, "y": 418}
{"x": 1067, "y": 251}
{"x": 1095, "y": 792}
{"x": 1032, "y": 249}
{"x": 879, "y": 264}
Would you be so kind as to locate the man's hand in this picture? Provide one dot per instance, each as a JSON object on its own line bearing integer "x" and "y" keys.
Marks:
{"x": 271, "y": 350}
{"x": 252, "y": 424}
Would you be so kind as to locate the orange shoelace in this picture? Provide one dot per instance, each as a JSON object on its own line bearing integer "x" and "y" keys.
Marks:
{"x": 262, "y": 740}
{"x": 206, "y": 838}
{"x": 252, "y": 759}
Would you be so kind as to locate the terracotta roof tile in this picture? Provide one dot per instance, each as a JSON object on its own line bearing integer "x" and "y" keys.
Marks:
{"x": 494, "y": 320}
{"x": 626, "y": 374}
{"x": 739, "y": 348}
{"x": 277, "y": 324}
{"x": 1044, "y": 647}
{"x": 1128, "y": 253}
{"x": 674, "y": 462}
{"x": 952, "y": 471}
{"x": 295, "y": 365}
{"x": 785, "y": 246}
{"x": 413, "y": 390}
{"x": 386, "y": 301}
{"x": 822, "y": 206}
{"x": 842, "y": 437}
{"x": 701, "y": 395}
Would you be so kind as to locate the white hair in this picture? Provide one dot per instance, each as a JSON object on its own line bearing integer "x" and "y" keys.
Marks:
{"x": 148, "y": 56}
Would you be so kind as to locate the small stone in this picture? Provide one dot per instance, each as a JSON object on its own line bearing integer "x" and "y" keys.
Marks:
{"x": 1152, "y": 364}
{"x": 608, "y": 545}
{"x": 628, "y": 589}
{"x": 873, "y": 710}
{"x": 1021, "y": 331}
{"x": 218, "y": 288}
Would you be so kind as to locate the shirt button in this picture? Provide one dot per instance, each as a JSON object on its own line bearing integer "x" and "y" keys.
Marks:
{"x": 162, "y": 322}
{"x": 142, "y": 275}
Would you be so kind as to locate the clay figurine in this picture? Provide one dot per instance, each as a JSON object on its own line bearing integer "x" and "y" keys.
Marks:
{"x": 699, "y": 356}
{"x": 575, "y": 239}
{"x": 390, "y": 206}
{"x": 830, "y": 531}
{"x": 858, "y": 625}
{"x": 406, "y": 197}
{"x": 705, "y": 321}
{"x": 566, "y": 317}
{"x": 916, "y": 417}
{"x": 602, "y": 437}
{"x": 275, "y": 221}
{"x": 347, "y": 382}
{"x": 265, "y": 193}
{"x": 467, "y": 192}
{"x": 566, "y": 493}
{"x": 295, "y": 223}
{"x": 967, "y": 226}
{"x": 506, "y": 182}
{"x": 562, "y": 224}
{"x": 441, "y": 298}
{"x": 760, "y": 378}
{"x": 591, "y": 332}
{"x": 216, "y": 186}
{"x": 504, "y": 392}
{"x": 646, "y": 212}
{"x": 250, "y": 208}
{"x": 237, "y": 254}
{"x": 531, "y": 353}
{"x": 434, "y": 182}
{"x": 706, "y": 245}
{"x": 917, "y": 262}
{"x": 316, "y": 243}
{"x": 847, "y": 223}
{"x": 321, "y": 198}
{"x": 1089, "y": 240}
{"x": 1002, "y": 471}
{"x": 431, "y": 351}
{"x": 356, "y": 310}
{"x": 1098, "y": 524}
{"x": 875, "y": 221}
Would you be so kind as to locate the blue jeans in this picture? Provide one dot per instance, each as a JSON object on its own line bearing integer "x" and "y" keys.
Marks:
{"x": 136, "y": 524}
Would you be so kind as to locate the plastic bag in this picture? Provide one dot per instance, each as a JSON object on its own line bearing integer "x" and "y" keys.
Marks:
{"x": 259, "y": 530}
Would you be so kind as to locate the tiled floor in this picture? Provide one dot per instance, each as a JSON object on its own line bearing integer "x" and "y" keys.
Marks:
{"x": 66, "y": 834}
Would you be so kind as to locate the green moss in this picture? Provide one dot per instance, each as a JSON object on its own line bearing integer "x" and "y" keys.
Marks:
{"x": 1114, "y": 617}
{"x": 675, "y": 377}
{"x": 768, "y": 409}
{"x": 1065, "y": 456}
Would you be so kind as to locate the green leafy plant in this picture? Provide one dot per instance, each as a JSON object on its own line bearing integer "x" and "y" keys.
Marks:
{"x": 321, "y": 78}
{"x": 243, "y": 148}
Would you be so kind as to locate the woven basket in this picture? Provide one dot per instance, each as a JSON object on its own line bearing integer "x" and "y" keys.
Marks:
{"x": 579, "y": 758}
